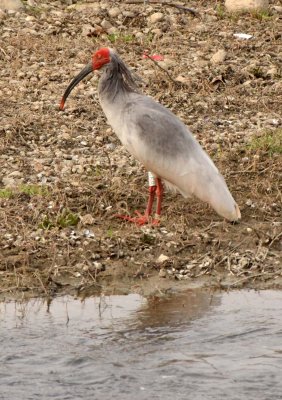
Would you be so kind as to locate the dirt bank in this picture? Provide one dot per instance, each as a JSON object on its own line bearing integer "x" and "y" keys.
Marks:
{"x": 65, "y": 175}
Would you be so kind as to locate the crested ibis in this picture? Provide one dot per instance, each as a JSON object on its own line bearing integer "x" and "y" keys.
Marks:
{"x": 157, "y": 138}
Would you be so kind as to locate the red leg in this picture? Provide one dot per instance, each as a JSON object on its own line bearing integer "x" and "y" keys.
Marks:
{"x": 152, "y": 192}
{"x": 159, "y": 193}
{"x": 142, "y": 219}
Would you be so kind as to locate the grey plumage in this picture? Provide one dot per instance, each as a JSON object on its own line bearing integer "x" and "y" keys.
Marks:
{"x": 117, "y": 79}
{"x": 156, "y": 137}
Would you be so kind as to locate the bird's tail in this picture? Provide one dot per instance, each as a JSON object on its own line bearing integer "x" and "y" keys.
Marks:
{"x": 217, "y": 194}
{"x": 210, "y": 187}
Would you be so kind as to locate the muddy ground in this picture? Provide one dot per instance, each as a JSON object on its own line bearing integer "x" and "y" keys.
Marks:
{"x": 64, "y": 175}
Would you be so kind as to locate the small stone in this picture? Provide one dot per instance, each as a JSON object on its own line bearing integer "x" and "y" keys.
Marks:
{"x": 15, "y": 5}
{"x": 139, "y": 35}
{"x": 162, "y": 258}
{"x": 87, "y": 219}
{"x": 183, "y": 79}
{"x": 157, "y": 31}
{"x": 30, "y": 18}
{"x": 162, "y": 273}
{"x": 65, "y": 136}
{"x": 106, "y": 24}
{"x": 98, "y": 266}
{"x": 218, "y": 57}
{"x": 278, "y": 9}
{"x": 9, "y": 182}
{"x": 95, "y": 7}
{"x": 272, "y": 72}
{"x": 112, "y": 31}
{"x": 156, "y": 17}
{"x": 86, "y": 29}
{"x": 114, "y": 12}
{"x": 2, "y": 15}
{"x": 246, "y": 5}
{"x": 15, "y": 174}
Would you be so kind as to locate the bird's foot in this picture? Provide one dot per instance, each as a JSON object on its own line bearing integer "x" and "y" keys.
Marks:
{"x": 140, "y": 219}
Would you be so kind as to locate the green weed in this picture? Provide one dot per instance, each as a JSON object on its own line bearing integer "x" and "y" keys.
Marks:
{"x": 270, "y": 141}
{"x": 261, "y": 15}
{"x": 117, "y": 37}
{"x": 34, "y": 190}
{"x": 63, "y": 220}
{"x": 6, "y": 193}
{"x": 220, "y": 11}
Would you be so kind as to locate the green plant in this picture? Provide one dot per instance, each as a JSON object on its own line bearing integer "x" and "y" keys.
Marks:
{"x": 148, "y": 239}
{"x": 67, "y": 218}
{"x": 269, "y": 141}
{"x": 34, "y": 190}
{"x": 46, "y": 223}
{"x": 110, "y": 232}
{"x": 63, "y": 220}
{"x": 114, "y": 37}
{"x": 261, "y": 15}
{"x": 149, "y": 38}
{"x": 5, "y": 193}
{"x": 220, "y": 11}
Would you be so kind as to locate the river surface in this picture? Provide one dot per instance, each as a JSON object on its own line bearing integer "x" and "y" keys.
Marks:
{"x": 196, "y": 345}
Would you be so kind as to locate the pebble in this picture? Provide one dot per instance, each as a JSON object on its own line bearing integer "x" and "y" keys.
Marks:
{"x": 15, "y": 174}
{"x": 2, "y": 15}
{"x": 161, "y": 259}
{"x": 156, "y": 17}
{"x": 162, "y": 273}
{"x": 157, "y": 31}
{"x": 86, "y": 29}
{"x": 9, "y": 182}
{"x": 113, "y": 30}
{"x": 245, "y": 5}
{"x": 114, "y": 12}
{"x": 278, "y": 9}
{"x": 219, "y": 56}
{"x": 87, "y": 219}
{"x": 11, "y": 5}
{"x": 106, "y": 24}
{"x": 272, "y": 72}
{"x": 30, "y": 18}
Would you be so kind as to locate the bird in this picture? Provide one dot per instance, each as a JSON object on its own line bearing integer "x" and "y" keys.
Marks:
{"x": 156, "y": 137}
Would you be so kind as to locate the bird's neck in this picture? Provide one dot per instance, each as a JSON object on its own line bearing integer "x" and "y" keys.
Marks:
{"x": 116, "y": 81}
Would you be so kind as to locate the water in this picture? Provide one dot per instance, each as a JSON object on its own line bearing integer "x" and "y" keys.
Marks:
{"x": 192, "y": 346}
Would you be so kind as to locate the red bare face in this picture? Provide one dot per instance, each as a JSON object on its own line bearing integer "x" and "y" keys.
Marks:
{"x": 100, "y": 58}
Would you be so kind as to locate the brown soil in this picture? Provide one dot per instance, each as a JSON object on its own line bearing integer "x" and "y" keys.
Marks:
{"x": 65, "y": 175}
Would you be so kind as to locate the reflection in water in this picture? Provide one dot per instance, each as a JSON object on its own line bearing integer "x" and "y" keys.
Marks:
{"x": 191, "y": 346}
{"x": 177, "y": 310}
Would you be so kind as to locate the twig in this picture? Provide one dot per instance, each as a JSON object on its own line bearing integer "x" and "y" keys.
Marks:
{"x": 3, "y": 51}
{"x": 166, "y": 3}
{"x": 41, "y": 283}
{"x": 274, "y": 239}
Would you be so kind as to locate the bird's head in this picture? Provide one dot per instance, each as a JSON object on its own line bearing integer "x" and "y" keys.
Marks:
{"x": 100, "y": 58}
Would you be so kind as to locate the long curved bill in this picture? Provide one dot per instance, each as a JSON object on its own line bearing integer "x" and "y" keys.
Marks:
{"x": 86, "y": 71}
